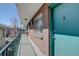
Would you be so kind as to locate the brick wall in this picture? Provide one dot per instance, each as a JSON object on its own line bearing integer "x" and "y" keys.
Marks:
{"x": 42, "y": 44}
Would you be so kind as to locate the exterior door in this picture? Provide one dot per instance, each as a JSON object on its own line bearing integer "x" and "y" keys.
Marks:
{"x": 66, "y": 29}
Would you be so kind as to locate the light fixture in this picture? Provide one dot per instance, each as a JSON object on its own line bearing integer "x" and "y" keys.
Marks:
{"x": 25, "y": 19}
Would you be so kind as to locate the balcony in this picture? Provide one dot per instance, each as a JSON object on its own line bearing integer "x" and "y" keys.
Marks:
{"x": 21, "y": 45}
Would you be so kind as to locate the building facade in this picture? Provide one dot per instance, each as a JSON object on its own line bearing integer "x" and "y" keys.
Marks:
{"x": 39, "y": 29}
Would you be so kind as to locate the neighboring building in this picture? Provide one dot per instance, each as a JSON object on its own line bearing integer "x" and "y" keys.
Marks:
{"x": 11, "y": 32}
{"x": 2, "y": 35}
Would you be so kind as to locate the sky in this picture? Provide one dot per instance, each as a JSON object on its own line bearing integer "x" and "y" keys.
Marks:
{"x": 8, "y": 11}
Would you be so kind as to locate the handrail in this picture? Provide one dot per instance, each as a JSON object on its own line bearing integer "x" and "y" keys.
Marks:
{"x": 8, "y": 43}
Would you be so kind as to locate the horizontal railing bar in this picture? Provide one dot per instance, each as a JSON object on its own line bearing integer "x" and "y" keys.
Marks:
{"x": 5, "y": 47}
{"x": 8, "y": 44}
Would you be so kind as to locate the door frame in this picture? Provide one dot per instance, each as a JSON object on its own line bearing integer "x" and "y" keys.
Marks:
{"x": 51, "y": 28}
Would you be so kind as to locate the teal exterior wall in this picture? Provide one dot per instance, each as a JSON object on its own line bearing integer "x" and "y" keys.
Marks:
{"x": 65, "y": 19}
{"x": 66, "y": 45}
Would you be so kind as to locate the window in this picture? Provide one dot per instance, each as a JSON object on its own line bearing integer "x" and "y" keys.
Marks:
{"x": 38, "y": 24}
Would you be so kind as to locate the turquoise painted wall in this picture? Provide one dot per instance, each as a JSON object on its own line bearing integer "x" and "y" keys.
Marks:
{"x": 66, "y": 24}
{"x": 66, "y": 19}
{"x": 66, "y": 45}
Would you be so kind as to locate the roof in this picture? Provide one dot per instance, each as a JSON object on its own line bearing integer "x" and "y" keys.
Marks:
{"x": 3, "y": 26}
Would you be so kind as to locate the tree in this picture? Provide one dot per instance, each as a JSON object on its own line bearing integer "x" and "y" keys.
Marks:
{"x": 14, "y": 22}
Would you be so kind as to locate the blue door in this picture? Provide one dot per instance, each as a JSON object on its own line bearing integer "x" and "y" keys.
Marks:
{"x": 66, "y": 29}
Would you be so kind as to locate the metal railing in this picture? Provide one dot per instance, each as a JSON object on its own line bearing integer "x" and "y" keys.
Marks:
{"x": 11, "y": 48}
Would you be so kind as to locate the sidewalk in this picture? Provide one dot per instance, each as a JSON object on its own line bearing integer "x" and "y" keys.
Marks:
{"x": 28, "y": 48}
{"x": 25, "y": 48}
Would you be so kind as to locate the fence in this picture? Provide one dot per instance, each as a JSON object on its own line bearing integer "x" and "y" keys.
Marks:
{"x": 11, "y": 47}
